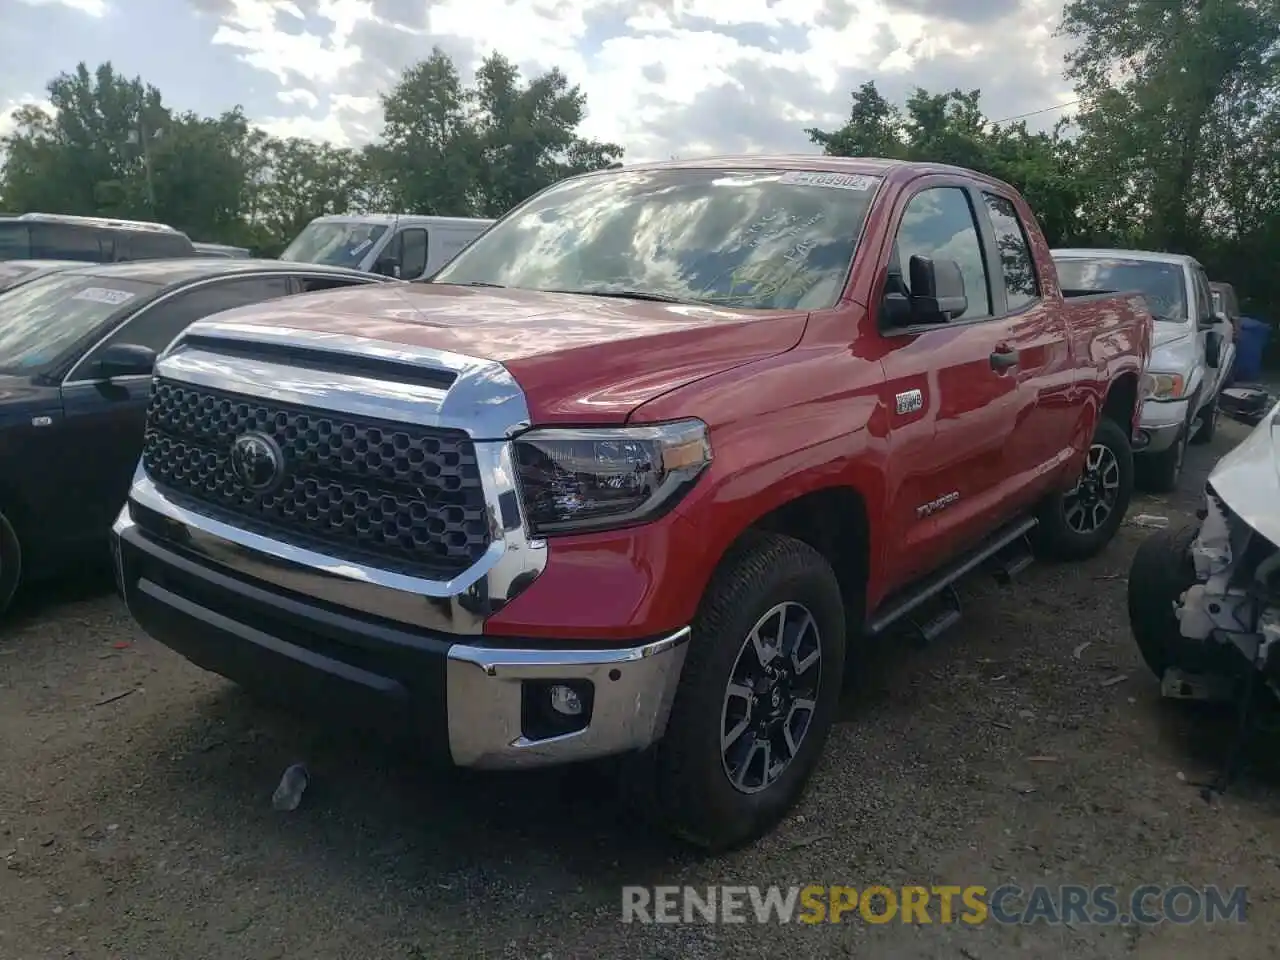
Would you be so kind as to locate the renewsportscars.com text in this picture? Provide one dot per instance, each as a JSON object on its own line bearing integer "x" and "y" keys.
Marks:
{"x": 1008, "y": 904}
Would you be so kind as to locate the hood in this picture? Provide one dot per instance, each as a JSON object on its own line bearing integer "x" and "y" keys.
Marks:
{"x": 579, "y": 359}
{"x": 1174, "y": 349}
{"x": 1248, "y": 478}
{"x": 1165, "y": 333}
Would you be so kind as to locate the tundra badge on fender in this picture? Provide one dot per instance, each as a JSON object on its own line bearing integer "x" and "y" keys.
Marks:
{"x": 933, "y": 506}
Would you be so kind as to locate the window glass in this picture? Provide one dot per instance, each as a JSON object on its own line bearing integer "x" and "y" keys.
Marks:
{"x": 755, "y": 239}
{"x": 155, "y": 245}
{"x": 334, "y": 243}
{"x": 61, "y": 241}
{"x": 1016, "y": 263}
{"x": 1162, "y": 285}
{"x": 313, "y": 284}
{"x": 413, "y": 254}
{"x": 1204, "y": 298}
{"x": 44, "y": 318}
{"x": 15, "y": 241}
{"x": 158, "y": 327}
{"x": 938, "y": 224}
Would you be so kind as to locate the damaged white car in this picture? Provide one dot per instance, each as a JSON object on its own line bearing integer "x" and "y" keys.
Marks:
{"x": 1204, "y": 600}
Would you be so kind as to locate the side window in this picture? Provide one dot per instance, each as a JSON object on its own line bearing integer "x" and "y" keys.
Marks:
{"x": 413, "y": 253}
{"x": 15, "y": 241}
{"x": 1016, "y": 264}
{"x": 1204, "y": 300}
{"x": 153, "y": 246}
{"x": 158, "y": 326}
{"x": 938, "y": 223}
{"x": 315, "y": 284}
{"x": 60, "y": 241}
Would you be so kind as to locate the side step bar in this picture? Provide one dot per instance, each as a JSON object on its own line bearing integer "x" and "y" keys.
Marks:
{"x": 1001, "y": 542}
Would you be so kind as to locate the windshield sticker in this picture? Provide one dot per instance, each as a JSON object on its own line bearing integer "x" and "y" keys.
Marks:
{"x": 763, "y": 281}
{"x": 836, "y": 181}
{"x": 362, "y": 246}
{"x": 104, "y": 295}
{"x": 776, "y": 225}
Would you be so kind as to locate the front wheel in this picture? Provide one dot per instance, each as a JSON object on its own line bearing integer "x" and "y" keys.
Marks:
{"x": 757, "y": 697}
{"x": 1208, "y": 423}
{"x": 1079, "y": 522}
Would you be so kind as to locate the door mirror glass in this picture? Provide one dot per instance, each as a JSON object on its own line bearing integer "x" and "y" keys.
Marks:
{"x": 126, "y": 360}
{"x": 937, "y": 290}
{"x": 1213, "y": 349}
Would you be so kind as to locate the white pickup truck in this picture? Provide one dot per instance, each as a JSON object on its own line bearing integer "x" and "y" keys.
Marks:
{"x": 1192, "y": 351}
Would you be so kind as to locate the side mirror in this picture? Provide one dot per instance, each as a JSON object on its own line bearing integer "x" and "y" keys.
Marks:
{"x": 388, "y": 266}
{"x": 126, "y": 360}
{"x": 1213, "y": 349}
{"x": 937, "y": 290}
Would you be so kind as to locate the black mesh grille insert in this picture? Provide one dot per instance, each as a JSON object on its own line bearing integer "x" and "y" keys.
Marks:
{"x": 399, "y": 496}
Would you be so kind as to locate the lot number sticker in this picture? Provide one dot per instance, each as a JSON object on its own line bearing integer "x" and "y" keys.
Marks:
{"x": 837, "y": 181}
{"x": 104, "y": 295}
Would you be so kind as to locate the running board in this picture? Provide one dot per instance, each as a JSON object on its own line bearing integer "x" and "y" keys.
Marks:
{"x": 912, "y": 598}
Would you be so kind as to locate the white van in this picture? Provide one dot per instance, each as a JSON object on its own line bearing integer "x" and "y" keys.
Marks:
{"x": 391, "y": 244}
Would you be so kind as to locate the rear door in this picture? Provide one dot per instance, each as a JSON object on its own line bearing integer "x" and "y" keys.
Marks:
{"x": 951, "y": 388}
{"x": 1043, "y": 432}
{"x": 107, "y": 417}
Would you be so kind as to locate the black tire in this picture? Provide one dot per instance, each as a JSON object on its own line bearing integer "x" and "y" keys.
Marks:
{"x": 1209, "y": 424}
{"x": 1161, "y": 571}
{"x": 10, "y": 563}
{"x": 1161, "y": 472}
{"x": 689, "y": 791}
{"x": 1063, "y": 533}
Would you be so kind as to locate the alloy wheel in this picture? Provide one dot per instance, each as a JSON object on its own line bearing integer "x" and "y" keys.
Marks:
{"x": 771, "y": 697}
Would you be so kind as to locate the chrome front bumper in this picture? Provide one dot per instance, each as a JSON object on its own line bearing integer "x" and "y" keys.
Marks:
{"x": 472, "y": 699}
{"x": 633, "y": 689}
{"x": 1159, "y": 425}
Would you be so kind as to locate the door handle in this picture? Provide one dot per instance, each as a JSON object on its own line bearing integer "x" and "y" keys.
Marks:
{"x": 1003, "y": 357}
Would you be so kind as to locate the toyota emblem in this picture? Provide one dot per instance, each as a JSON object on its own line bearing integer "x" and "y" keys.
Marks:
{"x": 257, "y": 462}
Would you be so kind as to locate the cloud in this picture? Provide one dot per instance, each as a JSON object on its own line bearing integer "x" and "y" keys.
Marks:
{"x": 93, "y": 8}
{"x": 662, "y": 77}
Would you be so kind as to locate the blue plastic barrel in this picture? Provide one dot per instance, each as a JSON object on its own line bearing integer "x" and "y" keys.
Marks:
{"x": 1253, "y": 341}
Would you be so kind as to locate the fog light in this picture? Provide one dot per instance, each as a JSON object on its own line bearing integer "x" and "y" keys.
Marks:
{"x": 565, "y": 701}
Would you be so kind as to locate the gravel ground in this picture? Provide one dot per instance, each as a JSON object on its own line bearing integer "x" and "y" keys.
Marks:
{"x": 1029, "y": 745}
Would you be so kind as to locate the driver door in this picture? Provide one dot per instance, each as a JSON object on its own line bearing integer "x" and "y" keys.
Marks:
{"x": 951, "y": 391}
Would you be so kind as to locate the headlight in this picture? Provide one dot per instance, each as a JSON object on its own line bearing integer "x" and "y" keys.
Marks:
{"x": 573, "y": 480}
{"x": 1162, "y": 386}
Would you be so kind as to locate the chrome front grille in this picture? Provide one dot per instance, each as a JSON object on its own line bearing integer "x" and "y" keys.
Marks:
{"x": 398, "y": 496}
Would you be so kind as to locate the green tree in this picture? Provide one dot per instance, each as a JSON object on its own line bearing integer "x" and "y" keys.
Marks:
{"x": 951, "y": 128}
{"x": 526, "y": 134}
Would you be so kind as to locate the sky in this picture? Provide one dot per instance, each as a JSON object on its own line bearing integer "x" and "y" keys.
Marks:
{"x": 663, "y": 78}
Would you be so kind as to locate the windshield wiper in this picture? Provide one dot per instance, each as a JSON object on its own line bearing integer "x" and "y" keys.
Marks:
{"x": 631, "y": 295}
{"x": 466, "y": 283}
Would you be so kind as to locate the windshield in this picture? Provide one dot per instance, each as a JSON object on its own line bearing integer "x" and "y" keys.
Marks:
{"x": 333, "y": 243}
{"x": 755, "y": 239}
{"x": 1161, "y": 284}
{"x": 42, "y": 319}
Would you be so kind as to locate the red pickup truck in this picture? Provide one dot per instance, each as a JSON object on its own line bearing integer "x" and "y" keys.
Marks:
{"x": 637, "y": 473}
